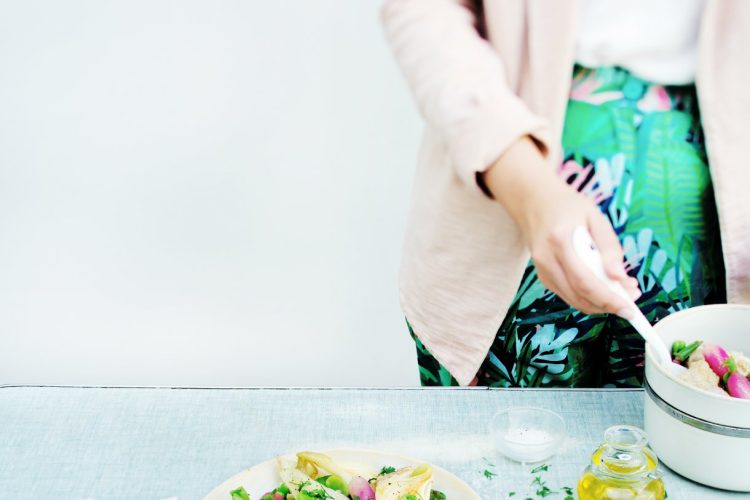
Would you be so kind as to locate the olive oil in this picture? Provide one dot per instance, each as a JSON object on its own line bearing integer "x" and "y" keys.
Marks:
{"x": 622, "y": 467}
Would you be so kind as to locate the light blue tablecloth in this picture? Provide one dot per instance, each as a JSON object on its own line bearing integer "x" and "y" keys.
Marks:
{"x": 145, "y": 443}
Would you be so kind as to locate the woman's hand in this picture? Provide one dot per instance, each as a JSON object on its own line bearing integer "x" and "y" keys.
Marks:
{"x": 547, "y": 211}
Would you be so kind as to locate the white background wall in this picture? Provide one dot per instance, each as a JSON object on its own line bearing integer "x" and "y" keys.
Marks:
{"x": 202, "y": 193}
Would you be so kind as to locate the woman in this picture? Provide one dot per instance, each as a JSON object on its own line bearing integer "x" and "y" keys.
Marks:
{"x": 544, "y": 116}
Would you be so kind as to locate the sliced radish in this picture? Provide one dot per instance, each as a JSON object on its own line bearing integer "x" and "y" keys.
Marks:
{"x": 716, "y": 357}
{"x": 738, "y": 386}
{"x": 360, "y": 487}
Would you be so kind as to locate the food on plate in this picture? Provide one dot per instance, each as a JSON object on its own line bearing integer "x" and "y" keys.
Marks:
{"x": 316, "y": 476}
{"x": 710, "y": 367}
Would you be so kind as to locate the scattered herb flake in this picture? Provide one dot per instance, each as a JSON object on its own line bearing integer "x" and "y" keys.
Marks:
{"x": 541, "y": 468}
{"x": 544, "y": 492}
{"x": 489, "y": 474}
{"x": 387, "y": 470}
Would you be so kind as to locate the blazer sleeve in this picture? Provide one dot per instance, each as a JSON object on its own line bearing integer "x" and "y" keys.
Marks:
{"x": 458, "y": 81}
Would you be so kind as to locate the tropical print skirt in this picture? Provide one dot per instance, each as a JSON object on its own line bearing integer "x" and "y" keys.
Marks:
{"x": 637, "y": 150}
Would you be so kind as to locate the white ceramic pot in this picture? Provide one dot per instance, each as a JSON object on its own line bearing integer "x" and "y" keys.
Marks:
{"x": 700, "y": 435}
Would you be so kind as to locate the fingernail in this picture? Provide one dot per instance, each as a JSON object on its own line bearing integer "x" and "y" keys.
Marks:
{"x": 626, "y": 313}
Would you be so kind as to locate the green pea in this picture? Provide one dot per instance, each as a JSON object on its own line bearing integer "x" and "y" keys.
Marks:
{"x": 338, "y": 484}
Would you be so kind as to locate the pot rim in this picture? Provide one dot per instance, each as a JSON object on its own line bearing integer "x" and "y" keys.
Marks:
{"x": 651, "y": 359}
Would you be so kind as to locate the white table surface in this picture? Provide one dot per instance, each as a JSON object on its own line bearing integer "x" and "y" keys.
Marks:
{"x": 156, "y": 443}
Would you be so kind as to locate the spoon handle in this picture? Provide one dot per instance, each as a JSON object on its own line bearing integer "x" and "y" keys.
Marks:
{"x": 586, "y": 249}
{"x": 642, "y": 326}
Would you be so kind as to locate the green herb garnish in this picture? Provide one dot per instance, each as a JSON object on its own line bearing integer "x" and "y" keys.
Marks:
{"x": 489, "y": 474}
{"x": 541, "y": 468}
{"x": 681, "y": 352}
{"x": 387, "y": 470}
{"x": 544, "y": 491}
{"x": 315, "y": 494}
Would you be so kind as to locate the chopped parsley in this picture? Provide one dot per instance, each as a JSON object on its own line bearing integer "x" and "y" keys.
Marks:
{"x": 568, "y": 493}
{"x": 308, "y": 491}
{"x": 488, "y": 474}
{"x": 541, "y": 468}
{"x": 544, "y": 491}
{"x": 387, "y": 470}
{"x": 316, "y": 494}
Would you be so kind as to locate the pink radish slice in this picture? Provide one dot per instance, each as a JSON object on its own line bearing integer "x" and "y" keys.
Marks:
{"x": 738, "y": 386}
{"x": 278, "y": 496}
{"x": 716, "y": 357}
{"x": 361, "y": 488}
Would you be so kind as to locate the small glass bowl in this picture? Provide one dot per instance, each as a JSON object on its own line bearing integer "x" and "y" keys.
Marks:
{"x": 526, "y": 434}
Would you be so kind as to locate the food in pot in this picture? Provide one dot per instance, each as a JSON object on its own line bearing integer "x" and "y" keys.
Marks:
{"x": 738, "y": 386}
{"x": 711, "y": 368}
{"x": 716, "y": 357}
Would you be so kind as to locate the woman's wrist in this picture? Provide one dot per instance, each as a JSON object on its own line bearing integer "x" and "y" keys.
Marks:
{"x": 521, "y": 178}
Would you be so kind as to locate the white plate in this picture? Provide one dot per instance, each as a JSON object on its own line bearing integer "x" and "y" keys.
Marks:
{"x": 263, "y": 477}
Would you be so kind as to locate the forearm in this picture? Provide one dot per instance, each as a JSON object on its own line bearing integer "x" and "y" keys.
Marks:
{"x": 522, "y": 178}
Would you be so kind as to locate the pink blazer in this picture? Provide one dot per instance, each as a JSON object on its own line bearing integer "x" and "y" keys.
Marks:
{"x": 464, "y": 258}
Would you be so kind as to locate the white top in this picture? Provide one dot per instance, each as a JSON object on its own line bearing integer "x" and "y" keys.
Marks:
{"x": 656, "y": 40}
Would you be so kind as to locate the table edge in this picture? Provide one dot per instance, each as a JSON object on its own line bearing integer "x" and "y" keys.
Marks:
{"x": 315, "y": 388}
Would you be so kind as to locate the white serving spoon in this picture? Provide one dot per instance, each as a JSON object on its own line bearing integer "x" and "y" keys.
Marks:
{"x": 586, "y": 249}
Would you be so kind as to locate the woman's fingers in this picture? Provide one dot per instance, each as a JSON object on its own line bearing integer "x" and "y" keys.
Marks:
{"x": 548, "y": 230}
{"x": 609, "y": 246}
{"x": 553, "y": 277}
{"x": 587, "y": 285}
{"x": 577, "y": 291}
{"x": 631, "y": 285}
{"x": 612, "y": 255}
